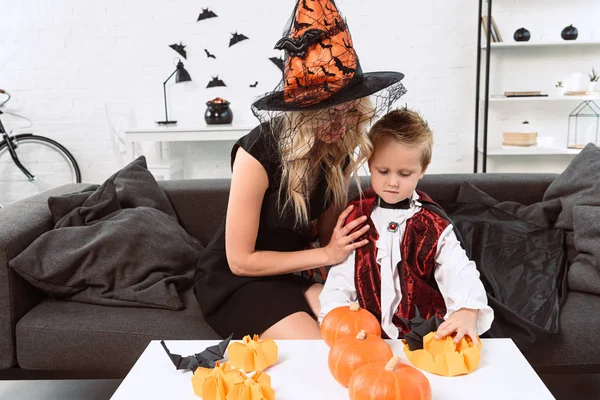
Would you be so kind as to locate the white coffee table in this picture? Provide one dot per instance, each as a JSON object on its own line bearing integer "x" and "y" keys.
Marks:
{"x": 302, "y": 373}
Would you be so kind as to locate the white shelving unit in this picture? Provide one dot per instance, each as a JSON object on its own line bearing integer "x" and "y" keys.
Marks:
{"x": 512, "y": 67}
{"x": 549, "y": 98}
{"x": 530, "y": 151}
{"x": 569, "y": 43}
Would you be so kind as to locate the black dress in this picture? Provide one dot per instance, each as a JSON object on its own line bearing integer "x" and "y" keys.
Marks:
{"x": 250, "y": 305}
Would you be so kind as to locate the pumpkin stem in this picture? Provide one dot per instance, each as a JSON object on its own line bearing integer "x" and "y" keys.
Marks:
{"x": 392, "y": 364}
{"x": 362, "y": 335}
{"x": 354, "y": 307}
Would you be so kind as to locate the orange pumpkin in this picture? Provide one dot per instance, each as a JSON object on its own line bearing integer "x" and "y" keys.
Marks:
{"x": 389, "y": 381}
{"x": 348, "y": 320}
{"x": 351, "y": 352}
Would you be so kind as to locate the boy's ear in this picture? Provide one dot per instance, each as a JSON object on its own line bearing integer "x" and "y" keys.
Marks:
{"x": 423, "y": 171}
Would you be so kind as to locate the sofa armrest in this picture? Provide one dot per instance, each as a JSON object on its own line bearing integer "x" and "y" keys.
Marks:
{"x": 20, "y": 224}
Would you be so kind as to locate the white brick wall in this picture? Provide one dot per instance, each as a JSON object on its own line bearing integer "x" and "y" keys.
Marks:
{"x": 64, "y": 59}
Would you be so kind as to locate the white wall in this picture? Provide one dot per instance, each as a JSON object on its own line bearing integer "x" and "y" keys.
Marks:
{"x": 63, "y": 59}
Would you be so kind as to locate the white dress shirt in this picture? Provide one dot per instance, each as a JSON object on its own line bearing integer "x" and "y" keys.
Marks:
{"x": 456, "y": 275}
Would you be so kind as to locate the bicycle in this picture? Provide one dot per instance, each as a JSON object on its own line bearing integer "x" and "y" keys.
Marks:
{"x": 31, "y": 164}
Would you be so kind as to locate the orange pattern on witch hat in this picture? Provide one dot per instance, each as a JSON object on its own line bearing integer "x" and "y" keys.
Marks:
{"x": 321, "y": 67}
{"x": 323, "y": 57}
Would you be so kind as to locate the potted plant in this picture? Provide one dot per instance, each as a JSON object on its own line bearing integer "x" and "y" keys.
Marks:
{"x": 594, "y": 81}
{"x": 559, "y": 89}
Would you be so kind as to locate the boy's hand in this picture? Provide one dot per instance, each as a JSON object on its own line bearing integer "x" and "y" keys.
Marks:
{"x": 342, "y": 242}
{"x": 463, "y": 322}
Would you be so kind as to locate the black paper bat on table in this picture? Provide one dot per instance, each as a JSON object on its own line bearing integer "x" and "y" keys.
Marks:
{"x": 279, "y": 62}
{"x": 419, "y": 328}
{"x": 206, "y": 14}
{"x": 254, "y": 84}
{"x": 209, "y": 54}
{"x": 236, "y": 38}
{"x": 216, "y": 82}
{"x": 206, "y": 358}
{"x": 180, "y": 48}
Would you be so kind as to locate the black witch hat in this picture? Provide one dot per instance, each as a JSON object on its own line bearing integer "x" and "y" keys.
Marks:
{"x": 321, "y": 67}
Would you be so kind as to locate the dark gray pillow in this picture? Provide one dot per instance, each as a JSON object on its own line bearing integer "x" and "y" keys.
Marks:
{"x": 120, "y": 245}
{"x": 578, "y": 185}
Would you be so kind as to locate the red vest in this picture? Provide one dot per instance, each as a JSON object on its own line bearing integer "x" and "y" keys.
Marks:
{"x": 416, "y": 270}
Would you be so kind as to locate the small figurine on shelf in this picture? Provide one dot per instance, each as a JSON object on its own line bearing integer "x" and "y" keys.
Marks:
{"x": 559, "y": 89}
{"x": 594, "y": 86}
{"x": 218, "y": 112}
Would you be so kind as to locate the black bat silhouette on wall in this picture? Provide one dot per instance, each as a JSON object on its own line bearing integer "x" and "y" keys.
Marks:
{"x": 254, "y": 84}
{"x": 206, "y": 14}
{"x": 209, "y": 55}
{"x": 180, "y": 48}
{"x": 279, "y": 62}
{"x": 236, "y": 38}
{"x": 299, "y": 46}
{"x": 216, "y": 82}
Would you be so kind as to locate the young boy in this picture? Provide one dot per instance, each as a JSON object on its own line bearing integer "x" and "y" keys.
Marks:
{"x": 413, "y": 257}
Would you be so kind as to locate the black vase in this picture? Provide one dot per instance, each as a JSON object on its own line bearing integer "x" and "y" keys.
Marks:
{"x": 218, "y": 113}
{"x": 569, "y": 33}
{"x": 522, "y": 35}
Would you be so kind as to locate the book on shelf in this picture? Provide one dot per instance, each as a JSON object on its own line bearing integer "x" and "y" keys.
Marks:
{"x": 533, "y": 93}
{"x": 519, "y": 138}
{"x": 495, "y": 33}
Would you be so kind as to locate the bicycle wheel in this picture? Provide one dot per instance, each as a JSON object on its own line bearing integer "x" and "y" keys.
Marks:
{"x": 49, "y": 161}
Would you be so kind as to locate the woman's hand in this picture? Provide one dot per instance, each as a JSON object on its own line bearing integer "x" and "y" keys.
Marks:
{"x": 463, "y": 322}
{"x": 342, "y": 243}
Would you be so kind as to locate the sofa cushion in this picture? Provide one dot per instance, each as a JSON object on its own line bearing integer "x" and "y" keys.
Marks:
{"x": 574, "y": 347}
{"x": 119, "y": 245}
{"x": 68, "y": 336}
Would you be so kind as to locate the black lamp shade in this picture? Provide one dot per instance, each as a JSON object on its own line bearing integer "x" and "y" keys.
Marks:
{"x": 182, "y": 74}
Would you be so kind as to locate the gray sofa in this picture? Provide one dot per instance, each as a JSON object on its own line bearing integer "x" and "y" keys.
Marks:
{"x": 41, "y": 333}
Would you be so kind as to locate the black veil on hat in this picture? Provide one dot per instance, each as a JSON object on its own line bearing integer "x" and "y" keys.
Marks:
{"x": 322, "y": 68}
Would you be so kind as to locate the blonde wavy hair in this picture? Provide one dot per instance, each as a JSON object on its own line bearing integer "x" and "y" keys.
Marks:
{"x": 303, "y": 153}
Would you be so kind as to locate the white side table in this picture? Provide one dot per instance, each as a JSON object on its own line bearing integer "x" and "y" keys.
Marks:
{"x": 164, "y": 163}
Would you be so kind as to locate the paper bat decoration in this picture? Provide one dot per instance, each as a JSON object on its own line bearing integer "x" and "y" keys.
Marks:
{"x": 279, "y": 62}
{"x": 420, "y": 327}
{"x": 206, "y": 358}
{"x": 180, "y": 48}
{"x": 209, "y": 54}
{"x": 444, "y": 357}
{"x": 206, "y": 14}
{"x": 236, "y": 38}
{"x": 254, "y": 84}
{"x": 215, "y": 82}
{"x": 253, "y": 354}
{"x": 215, "y": 383}
{"x": 256, "y": 388}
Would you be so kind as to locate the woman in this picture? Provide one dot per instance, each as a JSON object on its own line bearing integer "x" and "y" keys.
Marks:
{"x": 290, "y": 179}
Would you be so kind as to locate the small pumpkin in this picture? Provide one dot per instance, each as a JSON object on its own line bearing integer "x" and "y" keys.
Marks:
{"x": 351, "y": 352}
{"x": 348, "y": 320}
{"x": 389, "y": 380}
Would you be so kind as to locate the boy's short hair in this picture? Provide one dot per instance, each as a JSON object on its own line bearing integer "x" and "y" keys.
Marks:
{"x": 406, "y": 127}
